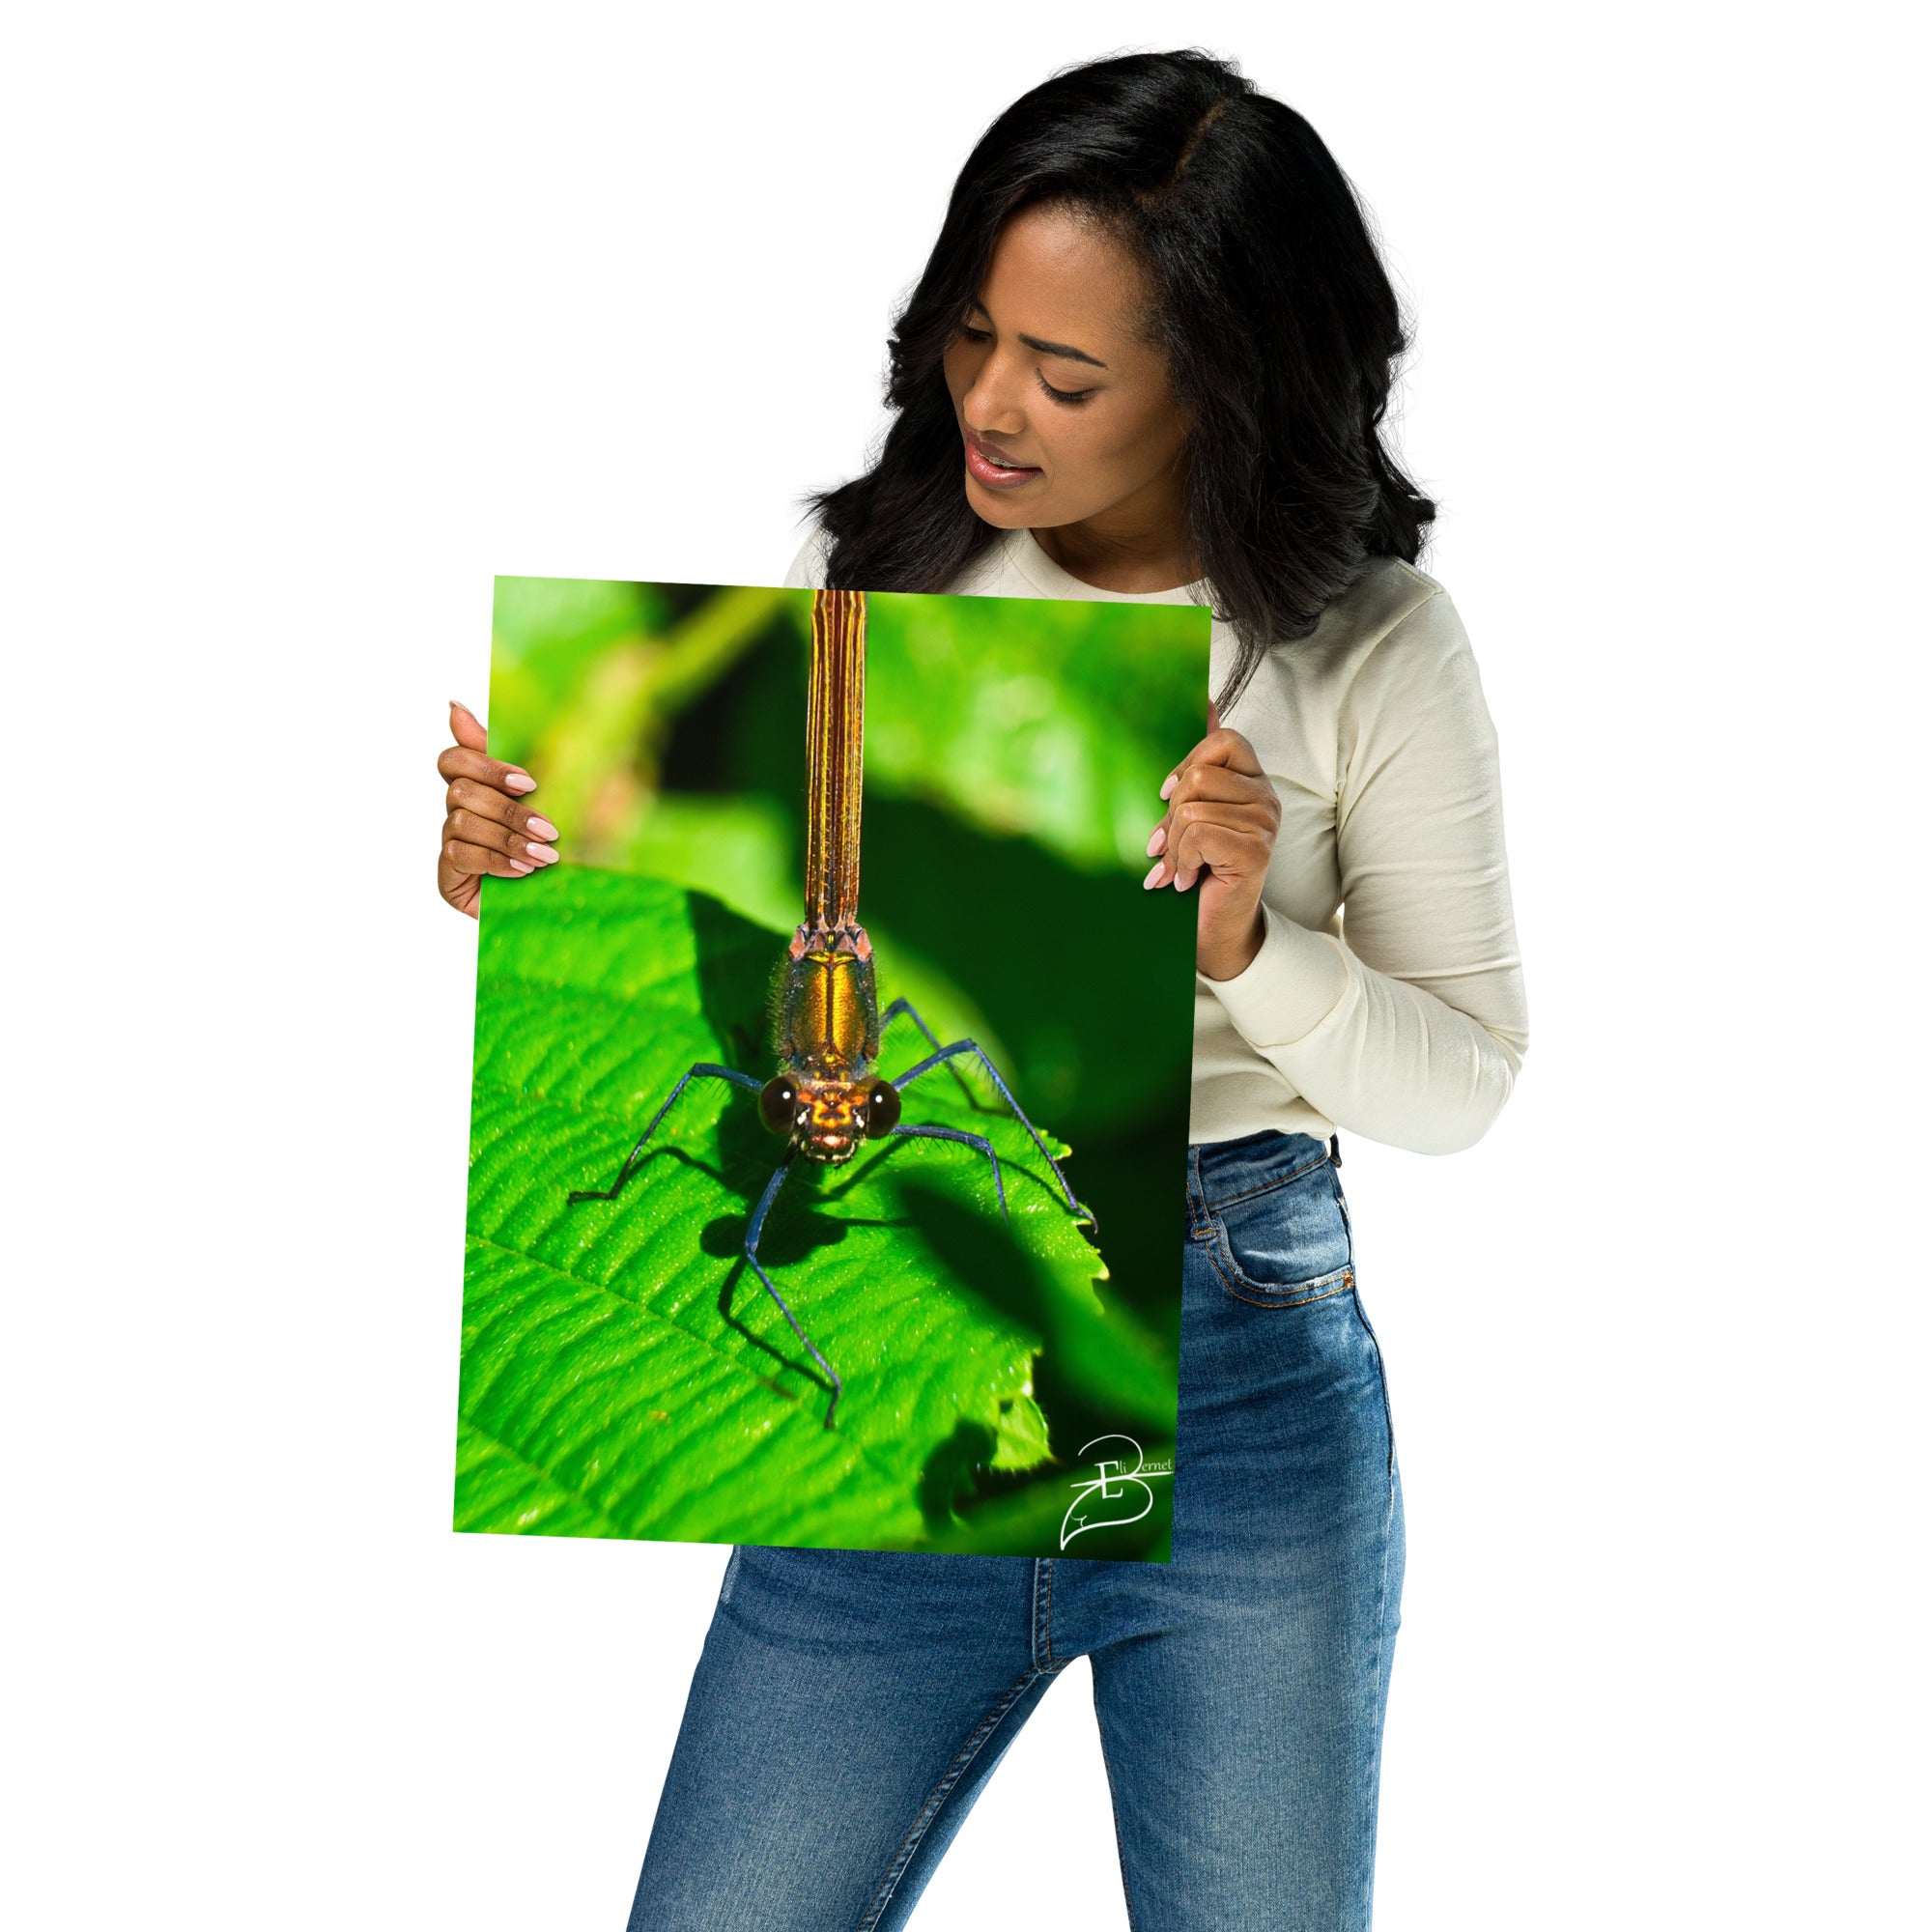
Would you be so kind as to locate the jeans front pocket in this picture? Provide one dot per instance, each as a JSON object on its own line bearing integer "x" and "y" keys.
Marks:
{"x": 1284, "y": 1243}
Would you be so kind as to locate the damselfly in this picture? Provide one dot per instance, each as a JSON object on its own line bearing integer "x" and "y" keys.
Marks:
{"x": 827, "y": 1097}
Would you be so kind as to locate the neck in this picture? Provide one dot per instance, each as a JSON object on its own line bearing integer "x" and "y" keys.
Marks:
{"x": 1137, "y": 546}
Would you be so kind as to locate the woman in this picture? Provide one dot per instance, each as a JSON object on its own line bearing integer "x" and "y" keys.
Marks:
{"x": 1149, "y": 358}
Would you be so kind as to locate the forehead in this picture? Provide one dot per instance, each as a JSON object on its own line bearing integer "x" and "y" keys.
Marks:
{"x": 1056, "y": 274}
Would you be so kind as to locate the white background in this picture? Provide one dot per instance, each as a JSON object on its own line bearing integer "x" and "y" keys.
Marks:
{"x": 318, "y": 317}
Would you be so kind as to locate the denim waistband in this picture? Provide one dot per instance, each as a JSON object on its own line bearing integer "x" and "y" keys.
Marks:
{"x": 1220, "y": 1171}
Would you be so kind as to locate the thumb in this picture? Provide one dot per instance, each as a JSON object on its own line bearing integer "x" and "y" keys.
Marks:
{"x": 467, "y": 729}
{"x": 1213, "y": 715}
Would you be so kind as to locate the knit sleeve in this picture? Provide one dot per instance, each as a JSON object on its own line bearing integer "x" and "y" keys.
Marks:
{"x": 1411, "y": 1026}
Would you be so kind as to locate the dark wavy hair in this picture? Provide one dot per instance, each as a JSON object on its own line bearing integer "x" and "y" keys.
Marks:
{"x": 1279, "y": 325}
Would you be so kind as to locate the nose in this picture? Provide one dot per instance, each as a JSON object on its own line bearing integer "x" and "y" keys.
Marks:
{"x": 990, "y": 406}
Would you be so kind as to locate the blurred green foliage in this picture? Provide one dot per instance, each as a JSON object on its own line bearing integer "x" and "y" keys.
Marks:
{"x": 1033, "y": 720}
{"x": 1015, "y": 753}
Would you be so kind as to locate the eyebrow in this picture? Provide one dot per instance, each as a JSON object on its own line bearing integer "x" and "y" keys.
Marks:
{"x": 1061, "y": 349}
{"x": 1066, "y": 350}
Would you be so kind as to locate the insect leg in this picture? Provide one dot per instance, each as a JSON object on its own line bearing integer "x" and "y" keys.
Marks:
{"x": 911, "y": 1011}
{"x": 753, "y": 1230}
{"x": 979, "y": 1141}
{"x": 952, "y": 1052}
{"x": 704, "y": 1070}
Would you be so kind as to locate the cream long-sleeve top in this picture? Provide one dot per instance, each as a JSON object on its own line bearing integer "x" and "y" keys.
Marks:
{"x": 1387, "y": 997}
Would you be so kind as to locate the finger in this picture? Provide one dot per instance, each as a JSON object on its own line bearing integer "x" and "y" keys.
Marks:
{"x": 1219, "y": 781}
{"x": 1236, "y": 850}
{"x": 461, "y": 762}
{"x": 485, "y": 802}
{"x": 1170, "y": 870}
{"x": 462, "y": 857}
{"x": 1214, "y": 792}
{"x": 466, "y": 728}
{"x": 1236, "y": 844}
{"x": 472, "y": 828}
{"x": 1219, "y": 748}
{"x": 462, "y": 890}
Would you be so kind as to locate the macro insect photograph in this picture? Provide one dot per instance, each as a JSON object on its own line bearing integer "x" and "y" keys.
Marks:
{"x": 829, "y": 1095}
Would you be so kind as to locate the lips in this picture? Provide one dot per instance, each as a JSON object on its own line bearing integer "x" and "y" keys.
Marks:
{"x": 993, "y": 467}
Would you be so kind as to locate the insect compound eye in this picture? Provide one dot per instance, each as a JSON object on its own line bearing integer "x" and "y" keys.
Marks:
{"x": 882, "y": 1109}
{"x": 777, "y": 1097}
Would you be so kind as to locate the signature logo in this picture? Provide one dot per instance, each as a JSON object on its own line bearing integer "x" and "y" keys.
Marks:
{"x": 1119, "y": 1493}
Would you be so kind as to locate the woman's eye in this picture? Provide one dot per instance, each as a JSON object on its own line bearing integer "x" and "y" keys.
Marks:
{"x": 1064, "y": 395}
{"x": 976, "y": 334}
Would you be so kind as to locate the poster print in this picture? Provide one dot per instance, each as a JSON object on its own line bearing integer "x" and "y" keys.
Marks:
{"x": 830, "y": 1098}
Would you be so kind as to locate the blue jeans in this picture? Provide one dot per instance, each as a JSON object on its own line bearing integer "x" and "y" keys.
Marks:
{"x": 850, "y": 1705}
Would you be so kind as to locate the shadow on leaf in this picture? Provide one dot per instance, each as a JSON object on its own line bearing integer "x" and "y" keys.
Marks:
{"x": 951, "y": 1472}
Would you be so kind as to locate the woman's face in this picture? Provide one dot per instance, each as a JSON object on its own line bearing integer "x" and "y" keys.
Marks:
{"x": 1065, "y": 409}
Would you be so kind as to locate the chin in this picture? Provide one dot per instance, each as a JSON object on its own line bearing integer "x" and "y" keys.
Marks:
{"x": 997, "y": 507}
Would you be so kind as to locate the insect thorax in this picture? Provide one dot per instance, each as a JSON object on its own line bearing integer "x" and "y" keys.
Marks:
{"x": 826, "y": 1006}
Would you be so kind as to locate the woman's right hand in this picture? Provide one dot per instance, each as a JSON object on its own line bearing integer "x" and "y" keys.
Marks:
{"x": 486, "y": 830}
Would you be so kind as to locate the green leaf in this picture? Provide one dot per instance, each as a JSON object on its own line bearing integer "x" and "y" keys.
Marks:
{"x": 625, "y": 1373}
{"x": 741, "y": 851}
{"x": 1033, "y": 1519}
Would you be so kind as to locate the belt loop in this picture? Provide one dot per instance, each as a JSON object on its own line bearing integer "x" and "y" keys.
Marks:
{"x": 1196, "y": 1202}
{"x": 1335, "y": 1150}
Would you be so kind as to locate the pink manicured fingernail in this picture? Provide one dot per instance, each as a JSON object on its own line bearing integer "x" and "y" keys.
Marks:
{"x": 518, "y": 782}
{"x": 1158, "y": 842}
{"x": 1153, "y": 879}
{"x": 518, "y": 867}
{"x": 541, "y": 828}
{"x": 1173, "y": 779}
{"x": 544, "y": 855}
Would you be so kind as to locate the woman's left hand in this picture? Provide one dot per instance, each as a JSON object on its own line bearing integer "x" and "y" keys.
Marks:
{"x": 1222, "y": 818}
